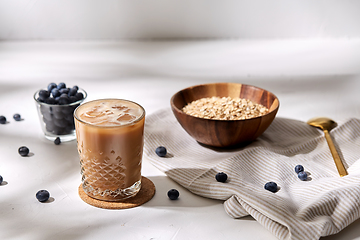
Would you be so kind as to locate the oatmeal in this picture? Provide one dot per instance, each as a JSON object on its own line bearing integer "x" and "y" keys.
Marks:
{"x": 225, "y": 108}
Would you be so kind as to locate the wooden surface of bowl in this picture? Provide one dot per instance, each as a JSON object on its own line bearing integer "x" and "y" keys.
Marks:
{"x": 224, "y": 133}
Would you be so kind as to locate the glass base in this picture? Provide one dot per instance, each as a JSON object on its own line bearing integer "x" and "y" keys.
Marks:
{"x": 109, "y": 195}
{"x": 63, "y": 138}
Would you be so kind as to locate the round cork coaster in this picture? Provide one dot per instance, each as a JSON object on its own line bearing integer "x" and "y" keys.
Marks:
{"x": 146, "y": 193}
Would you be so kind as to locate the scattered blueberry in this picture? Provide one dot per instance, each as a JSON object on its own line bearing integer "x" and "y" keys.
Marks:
{"x": 23, "y": 151}
{"x": 302, "y": 176}
{"x": 173, "y": 194}
{"x": 61, "y": 85}
{"x": 271, "y": 186}
{"x": 2, "y": 119}
{"x": 42, "y": 195}
{"x": 299, "y": 168}
{"x": 161, "y": 151}
{"x": 221, "y": 177}
{"x": 55, "y": 93}
{"x": 17, "y": 117}
{"x": 43, "y": 94}
{"x": 51, "y": 86}
{"x": 1, "y": 179}
{"x": 57, "y": 141}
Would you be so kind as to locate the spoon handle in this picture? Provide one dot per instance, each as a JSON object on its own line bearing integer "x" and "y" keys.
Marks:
{"x": 339, "y": 165}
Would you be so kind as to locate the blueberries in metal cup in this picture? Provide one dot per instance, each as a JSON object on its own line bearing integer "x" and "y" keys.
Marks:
{"x": 271, "y": 186}
{"x": 161, "y": 151}
{"x": 42, "y": 195}
{"x": 2, "y": 119}
{"x": 51, "y": 86}
{"x": 58, "y": 116}
{"x": 299, "y": 168}
{"x": 61, "y": 85}
{"x": 17, "y": 117}
{"x": 173, "y": 194}
{"x": 221, "y": 177}
{"x": 23, "y": 151}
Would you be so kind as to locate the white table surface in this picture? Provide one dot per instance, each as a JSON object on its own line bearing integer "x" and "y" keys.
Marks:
{"x": 310, "y": 77}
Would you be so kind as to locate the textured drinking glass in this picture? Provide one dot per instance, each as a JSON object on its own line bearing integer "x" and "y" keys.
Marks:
{"x": 110, "y": 136}
{"x": 57, "y": 120}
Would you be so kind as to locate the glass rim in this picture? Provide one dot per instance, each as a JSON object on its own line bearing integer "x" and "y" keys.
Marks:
{"x": 138, "y": 119}
{"x": 58, "y": 105}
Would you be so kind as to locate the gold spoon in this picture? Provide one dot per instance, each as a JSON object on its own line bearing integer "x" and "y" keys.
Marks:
{"x": 326, "y": 124}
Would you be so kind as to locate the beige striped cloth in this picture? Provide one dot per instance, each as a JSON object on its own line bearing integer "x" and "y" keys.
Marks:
{"x": 323, "y": 205}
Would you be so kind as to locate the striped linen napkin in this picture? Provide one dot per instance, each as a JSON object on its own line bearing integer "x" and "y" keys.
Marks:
{"x": 322, "y": 205}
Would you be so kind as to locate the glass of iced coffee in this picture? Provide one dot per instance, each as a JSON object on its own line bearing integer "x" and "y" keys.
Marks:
{"x": 110, "y": 139}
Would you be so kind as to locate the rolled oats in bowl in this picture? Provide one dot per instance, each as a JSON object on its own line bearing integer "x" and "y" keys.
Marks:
{"x": 225, "y": 108}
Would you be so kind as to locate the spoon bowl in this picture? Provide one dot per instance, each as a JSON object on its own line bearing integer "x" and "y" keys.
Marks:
{"x": 326, "y": 125}
{"x": 323, "y": 123}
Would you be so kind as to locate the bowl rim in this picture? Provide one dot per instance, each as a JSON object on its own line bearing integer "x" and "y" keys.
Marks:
{"x": 179, "y": 111}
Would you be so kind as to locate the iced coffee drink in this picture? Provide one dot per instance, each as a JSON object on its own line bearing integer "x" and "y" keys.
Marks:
{"x": 110, "y": 143}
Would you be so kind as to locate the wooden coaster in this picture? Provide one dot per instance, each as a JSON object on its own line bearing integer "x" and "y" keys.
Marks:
{"x": 147, "y": 191}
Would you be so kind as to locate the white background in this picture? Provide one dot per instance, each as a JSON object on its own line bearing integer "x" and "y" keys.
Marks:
{"x": 174, "y": 19}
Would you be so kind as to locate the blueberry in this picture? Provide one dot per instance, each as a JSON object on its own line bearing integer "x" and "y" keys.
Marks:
{"x": 64, "y": 90}
{"x": 64, "y": 99}
{"x": 42, "y": 195}
{"x": 76, "y": 87}
{"x": 57, "y": 141}
{"x": 23, "y": 151}
{"x": 173, "y": 194}
{"x": 17, "y": 117}
{"x": 79, "y": 95}
{"x": 51, "y": 86}
{"x": 302, "y": 176}
{"x": 50, "y": 100}
{"x": 72, "y": 99}
{"x": 271, "y": 186}
{"x": 2, "y": 119}
{"x": 43, "y": 94}
{"x": 1, "y": 179}
{"x": 299, "y": 168}
{"x": 55, "y": 93}
{"x": 161, "y": 151}
{"x": 72, "y": 92}
{"x": 221, "y": 177}
{"x": 61, "y": 85}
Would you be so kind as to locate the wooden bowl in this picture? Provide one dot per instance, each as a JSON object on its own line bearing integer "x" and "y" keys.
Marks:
{"x": 224, "y": 133}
